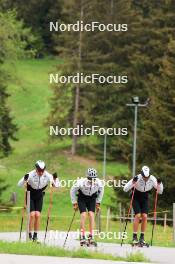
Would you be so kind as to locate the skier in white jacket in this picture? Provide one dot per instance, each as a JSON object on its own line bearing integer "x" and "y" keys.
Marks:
{"x": 143, "y": 182}
{"x": 86, "y": 194}
{"x": 37, "y": 181}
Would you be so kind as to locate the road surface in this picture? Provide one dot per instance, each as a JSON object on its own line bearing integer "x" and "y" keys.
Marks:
{"x": 155, "y": 254}
{"x": 18, "y": 259}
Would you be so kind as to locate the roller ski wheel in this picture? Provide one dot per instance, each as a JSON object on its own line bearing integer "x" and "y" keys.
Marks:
{"x": 135, "y": 243}
{"x": 143, "y": 244}
{"x": 83, "y": 242}
{"x": 91, "y": 242}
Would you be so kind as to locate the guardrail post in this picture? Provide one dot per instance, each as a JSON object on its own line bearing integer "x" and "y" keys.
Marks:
{"x": 165, "y": 222}
{"x": 174, "y": 222}
{"x": 108, "y": 219}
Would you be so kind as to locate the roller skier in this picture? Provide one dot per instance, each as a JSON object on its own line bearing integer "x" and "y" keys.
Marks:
{"x": 86, "y": 195}
{"x": 142, "y": 184}
{"x": 37, "y": 181}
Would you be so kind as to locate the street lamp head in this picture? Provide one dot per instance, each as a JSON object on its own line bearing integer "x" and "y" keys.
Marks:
{"x": 135, "y": 99}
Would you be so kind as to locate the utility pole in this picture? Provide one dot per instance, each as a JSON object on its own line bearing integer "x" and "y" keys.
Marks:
{"x": 104, "y": 156}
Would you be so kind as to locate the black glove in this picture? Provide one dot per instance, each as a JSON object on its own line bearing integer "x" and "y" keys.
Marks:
{"x": 159, "y": 181}
{"x": 26, "y": 177}
{"x": 135, "y": 179}
{"x": 55, "y": 175}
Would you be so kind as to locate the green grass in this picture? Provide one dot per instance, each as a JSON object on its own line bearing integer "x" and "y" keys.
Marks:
{"x": 41, "y": 250}
{"x": 161, "y": 238}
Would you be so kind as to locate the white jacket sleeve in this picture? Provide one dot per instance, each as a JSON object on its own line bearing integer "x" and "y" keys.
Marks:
{"x": 100, "y": 193}
{"x": 74, "y": 191}
{"x": 128, "y": 186}
{"x": 21, "y": 182}
{"x": 158, "y": 187}
{"x": 53, "y": 182}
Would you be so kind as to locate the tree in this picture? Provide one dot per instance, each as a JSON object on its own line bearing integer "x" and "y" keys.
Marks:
{"x": 90, "y": 52}
{"x": 154, "y": 67}
{"x": 37, "y": 15}
{"x": 70, "y": 48}
{"x": 14, "y": 39}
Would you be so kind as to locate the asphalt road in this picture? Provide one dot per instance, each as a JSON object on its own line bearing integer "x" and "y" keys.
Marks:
{"x": 18, "y": 259}
{"x": 155, "y": 254}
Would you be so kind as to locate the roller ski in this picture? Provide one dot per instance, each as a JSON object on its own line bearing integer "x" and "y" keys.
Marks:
{"x": 139, "y": 243}
{"x": 91, "y": 242}
{"x": 35, "y": 239}
{"x": 142, "y": 243}
{"x": 83, "y": 241}
{"x": 135, "y": 241}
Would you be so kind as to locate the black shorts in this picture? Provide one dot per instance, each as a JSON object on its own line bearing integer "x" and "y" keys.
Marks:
{"x": 36, "y": 204}
{"x": 140, "y": 202}
{"x": 36, "y": 198}
{"x": 86, "y": 203}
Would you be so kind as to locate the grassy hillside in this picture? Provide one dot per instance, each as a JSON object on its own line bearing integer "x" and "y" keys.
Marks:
{"x": 29, "y": 104}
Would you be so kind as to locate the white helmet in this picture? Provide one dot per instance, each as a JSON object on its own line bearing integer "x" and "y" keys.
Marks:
{"x": 145, "y": 171}
{"x": 40, "y": 165}
{"x": 91, "y": 173}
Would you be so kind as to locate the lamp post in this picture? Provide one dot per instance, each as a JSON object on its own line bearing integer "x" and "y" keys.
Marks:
{"x": 136, "y": 104}
{"x": 104, "y": 156}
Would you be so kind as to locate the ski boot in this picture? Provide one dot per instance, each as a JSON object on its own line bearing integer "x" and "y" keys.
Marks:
{"x": 35, "y": 238}
{"x": 135, "y": 241}
{"x": 82, "y": 241}
{"x": 91, "y": 241}
{"x": 30, "y": 236}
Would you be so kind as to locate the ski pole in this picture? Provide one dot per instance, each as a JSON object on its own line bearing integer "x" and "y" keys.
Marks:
{"x": 23, "y": 211}
{"x": 155, "y": 215}
{"x": 69, "y": 228}
{"x": 129, "y": 210}
{"x": 49, "y": 212}
{"x": 98, "y": 219}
